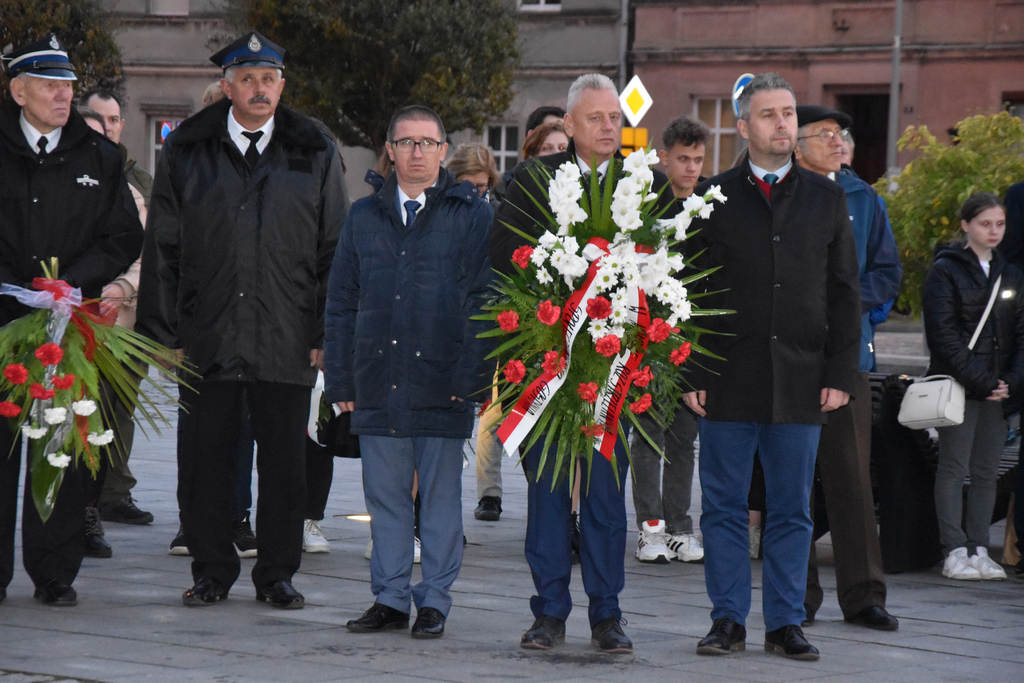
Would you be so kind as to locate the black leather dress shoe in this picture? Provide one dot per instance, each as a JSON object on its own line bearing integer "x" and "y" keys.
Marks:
{"x": 429, "y": 623}
{"x": 379, "y": 618}
{"x": 607, "y": 636}
{"x": 206, "y": 592}
{"x": 875, "y": 617}
{"x": 546, "y": 633}
{"x": 789, "y": 641}
{"x": 724, "y": 637}
{"x": 56, "y": 594}
{"x": 282, "y": 595}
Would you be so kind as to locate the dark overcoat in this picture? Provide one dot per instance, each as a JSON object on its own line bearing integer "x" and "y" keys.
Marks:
{"x": 73, "y": 204}
{"x": 236, "y": 261}
{"x": 789, "y": 271}
{"x": 399, "y": 339}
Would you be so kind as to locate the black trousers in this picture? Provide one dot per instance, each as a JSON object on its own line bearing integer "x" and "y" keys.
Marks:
{"x": 51, "y": 551}
{"x": 206, "y": 475}
{"x": 844, "y": 457}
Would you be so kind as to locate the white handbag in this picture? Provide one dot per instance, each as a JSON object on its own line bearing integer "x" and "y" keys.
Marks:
{"x": 938, "y": 400}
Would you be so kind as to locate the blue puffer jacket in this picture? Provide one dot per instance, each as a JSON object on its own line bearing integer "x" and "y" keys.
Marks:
{"x": 398, "y": 338}
{"x": 877, "y": 256}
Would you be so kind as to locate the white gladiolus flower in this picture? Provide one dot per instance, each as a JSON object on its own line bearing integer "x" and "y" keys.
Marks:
{"x": 693, "y": 204}
{"x": 543, "y": 276}
{"x": 681, "y": 223}
{"x": 54, "y": 416}
{"x": 715, "y": 192}
{"x": 85, "y": 407}
{"x": 100, "y": 438}
{"x": 58, "y": 460}
{"x": 539, "y": 256}
{"x": 34, "y": 432}
{"x": 705, "y": 211}
{"x": 547, "y": 241}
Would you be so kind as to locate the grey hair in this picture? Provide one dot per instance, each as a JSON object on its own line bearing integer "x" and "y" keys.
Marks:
{"x": 766, "y": 81}
{"x": 588, "y": 82}
{"x": 229, "y": 73}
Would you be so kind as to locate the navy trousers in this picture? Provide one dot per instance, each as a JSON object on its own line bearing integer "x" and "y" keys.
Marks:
{"x": 603, "y": 542}
{"x": 787, "y": 453}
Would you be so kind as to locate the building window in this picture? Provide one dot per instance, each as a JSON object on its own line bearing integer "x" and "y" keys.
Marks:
{"x": 540, "y": 5}
{"x": 1014, "y": 103}
{"x": 718, "y": 116}
{"x": 504, "y": 143}
{"x": 160, "y": 128}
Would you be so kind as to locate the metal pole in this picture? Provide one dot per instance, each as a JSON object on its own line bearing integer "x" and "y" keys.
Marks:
{"x": 623, "y": 41}
{"x": 894, "y": 91}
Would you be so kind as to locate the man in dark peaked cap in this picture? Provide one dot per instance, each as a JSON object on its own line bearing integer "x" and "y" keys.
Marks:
{"x": 844, "y": 451}
{"x": 65, "y": 196}
{"x": 247, "y": 203}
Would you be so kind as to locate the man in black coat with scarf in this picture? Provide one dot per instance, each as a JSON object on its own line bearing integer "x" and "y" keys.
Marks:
{"x": 246, "y": 208}
{"x": 789, "y": 271}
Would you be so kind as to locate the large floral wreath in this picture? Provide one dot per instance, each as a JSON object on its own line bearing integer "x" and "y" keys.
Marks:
{"x": 594, "y": 321}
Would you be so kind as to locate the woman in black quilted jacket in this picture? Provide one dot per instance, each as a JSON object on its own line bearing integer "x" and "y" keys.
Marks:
{"x": 956, "y": 293}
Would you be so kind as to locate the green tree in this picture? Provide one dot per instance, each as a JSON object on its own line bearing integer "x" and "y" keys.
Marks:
{"x": 352, "y": 63}
{"x": 987, "y": 155}
{"x": 84, "y": 29}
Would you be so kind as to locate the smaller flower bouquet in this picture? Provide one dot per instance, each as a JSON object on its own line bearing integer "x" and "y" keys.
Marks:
{"x": 55, "y": 361}
{"x": 594, "y": 323}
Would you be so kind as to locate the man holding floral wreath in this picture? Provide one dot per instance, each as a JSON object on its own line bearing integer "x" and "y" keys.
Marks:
{"x": 65, "y": 197}
{"x": 594, "y": 123}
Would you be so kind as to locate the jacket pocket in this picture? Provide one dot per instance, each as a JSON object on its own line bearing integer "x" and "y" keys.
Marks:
{"x": 370, "y": 374}
{"x": 432, "y": 376}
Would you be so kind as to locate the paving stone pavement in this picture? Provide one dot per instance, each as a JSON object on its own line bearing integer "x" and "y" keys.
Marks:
{"x": 130, "y": 624}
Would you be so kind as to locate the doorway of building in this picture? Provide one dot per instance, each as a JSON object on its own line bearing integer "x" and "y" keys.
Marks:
{"x": 870, "y": 116}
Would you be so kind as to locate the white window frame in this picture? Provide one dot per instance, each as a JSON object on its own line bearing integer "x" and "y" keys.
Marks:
{"x": 541, "y": 6}
{"x": 504, "y": 159}
{"x": 152, "y": 142}
{"x": 716, "y": 128}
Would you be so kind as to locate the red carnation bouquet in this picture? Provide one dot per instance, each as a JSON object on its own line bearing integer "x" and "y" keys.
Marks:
{"x": 595, "y": 323}
{"x": 54, "y": 361}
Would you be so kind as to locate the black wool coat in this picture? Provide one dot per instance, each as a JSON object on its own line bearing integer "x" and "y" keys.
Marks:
{"x": 235, "y": 264}
{"x": 73, "y": 204}
{"x": 789, "y": 270}
{"x": 956, "y": 291}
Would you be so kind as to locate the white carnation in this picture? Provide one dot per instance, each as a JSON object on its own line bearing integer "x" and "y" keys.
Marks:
{"x": 100, "y": 438}
{"x": 34, "y": 432}
{"x": 58, "y": 460}
{"x": 543, "y": 276}
{"x": 85, "y": 407}
{"x": 55, "y": 416}
{"x": 538, "y": 256}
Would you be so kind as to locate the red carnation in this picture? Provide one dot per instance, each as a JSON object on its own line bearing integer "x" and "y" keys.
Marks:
{"x": 49, "y": 354}
{"x": 608, "y": 345}
{"x": 8, "y": 409}
{"x": 641, "y": 404}
{"x": 63, "y": 382}
{"x": 508, "y": 321}
{"x": 593, "y": 431}
{"x": 548, "y": 313}
{"x": 658, "y": 330}
{"x": 521, "y": 256}
{"x": 679, "y": 356}
{"x": 642, "y": 377}
{"x": 587, "y": 391}
{"x": 515, "y": 371}
{"x": 599, "y": 307}
{"x": 553, "y": 362}
{"x": 38, "y": 391}
{"x": 16, "y": 373}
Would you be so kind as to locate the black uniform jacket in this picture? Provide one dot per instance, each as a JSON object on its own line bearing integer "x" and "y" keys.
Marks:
{"x": 235, "y": 264}
{"x": 73, "y": 203}
{"x": 789, "y": 270}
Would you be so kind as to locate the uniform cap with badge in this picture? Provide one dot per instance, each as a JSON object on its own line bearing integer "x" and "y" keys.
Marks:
{"x": 252, "y": 49}
{"x": 43, "y": 59}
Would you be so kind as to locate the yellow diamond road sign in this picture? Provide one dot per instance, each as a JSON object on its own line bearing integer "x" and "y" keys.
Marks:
{"x": 635, "y": 100}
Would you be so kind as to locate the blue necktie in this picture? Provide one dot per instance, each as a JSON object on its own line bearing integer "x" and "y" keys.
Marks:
{"x": 771, "y": 178}
{"x": 411, "y": 207}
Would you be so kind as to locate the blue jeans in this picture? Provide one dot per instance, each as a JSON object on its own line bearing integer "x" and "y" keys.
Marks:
{"x": 603, "y": 538}
{"x": 787, "y": 453}
{"x": 388, "y": 467}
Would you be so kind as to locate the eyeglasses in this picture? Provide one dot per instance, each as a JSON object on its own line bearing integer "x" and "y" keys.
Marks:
{"x": 827, "y": 135}
{"x": 426, "y": 145}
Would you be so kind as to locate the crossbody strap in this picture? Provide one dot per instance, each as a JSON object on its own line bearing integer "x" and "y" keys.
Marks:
{"x": 984, "y": 316}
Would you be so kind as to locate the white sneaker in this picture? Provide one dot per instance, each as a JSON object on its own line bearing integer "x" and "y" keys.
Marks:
{"x": 415, "y": 550}
{"x": 986, "y": 566}
{"x": 651, "y": 546}
{"x": 313, "y": 540}
{"x": 754, "y": 540}
{"x": 686, "y": 547}
{"x": 959, "y": 566}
